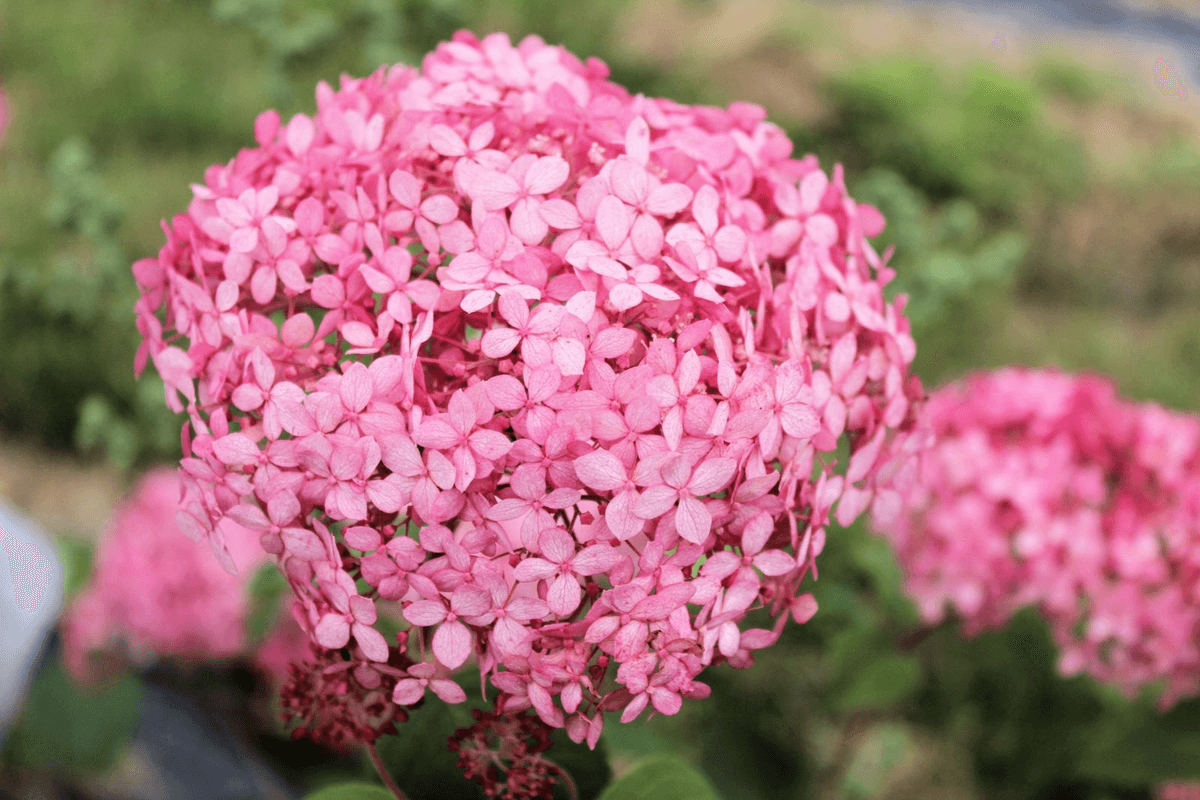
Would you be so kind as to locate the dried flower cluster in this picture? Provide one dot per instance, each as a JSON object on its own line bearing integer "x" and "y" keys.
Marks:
{"x": 1045, "y": 489}
{"x": 552, "y": 372}
{"x": 503, "y": 754}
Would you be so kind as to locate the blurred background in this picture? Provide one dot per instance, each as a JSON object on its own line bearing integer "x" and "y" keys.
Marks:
{"x": 1039, "y": 168}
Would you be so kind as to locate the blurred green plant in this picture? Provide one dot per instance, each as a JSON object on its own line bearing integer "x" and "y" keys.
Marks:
{"x": 952, "y": 266}
{"x": 286, "y": 40}
{"x": 1071, "y": 81}
{"x": 978, "y": 134}
{"x": 66, "y": 728}
{"x": 68, "y": 328}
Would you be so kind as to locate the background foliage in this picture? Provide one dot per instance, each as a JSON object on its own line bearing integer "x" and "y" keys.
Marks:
{"x": 1019, "y": 237}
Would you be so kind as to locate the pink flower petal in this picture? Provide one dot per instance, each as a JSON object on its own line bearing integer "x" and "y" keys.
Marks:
{"x": 452, "y": 644}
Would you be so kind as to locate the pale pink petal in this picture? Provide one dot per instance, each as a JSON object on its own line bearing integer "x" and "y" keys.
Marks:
{"x": 669, "y": 199}
{"x": 534, "y": 569}
{"x": 373, "y": 645}
{"x": 613, "y": 221}
{"x": 332, "y": 632}
{"x": 494, "y": 190}
{"x": 563, "y": 596}
{"x": 499, "y": 342}
{"x": 620, "y": 517}
{"x": 712, "y": 476}
{"x": 595, "y": 559}
{"x": 654, "y": 502}
{"x": 692, "y": 520}
{"x": 424, "y": 613}
{"x": 799, "y": 421}
{"x": 547, "y": 174}
{"x": 452, "y": 644}
{"x": 600, "y": 470}
{"x": 448, "y": 691}
{"x": 408, "y": 691}
{"x": 774, "y": 562}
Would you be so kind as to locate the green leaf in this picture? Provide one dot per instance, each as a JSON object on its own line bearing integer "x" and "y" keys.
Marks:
{"x": 881, "y": 683}
{"x": 79, "y": 728}
{"x": 661, "y": 779}
{"x": 351, "y": 791}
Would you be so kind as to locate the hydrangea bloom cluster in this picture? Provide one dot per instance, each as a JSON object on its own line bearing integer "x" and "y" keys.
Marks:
{"x": 1177, "y": 791}
{"x": 157, "y": 592}
{"x": 551, "y": 371}
{"x": 1045, "y": 489}
{"x": 4, "y": 114}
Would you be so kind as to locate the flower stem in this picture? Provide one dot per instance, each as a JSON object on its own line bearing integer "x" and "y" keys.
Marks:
{"x": 572, "y": 790}
{"x": 377, "y": 762}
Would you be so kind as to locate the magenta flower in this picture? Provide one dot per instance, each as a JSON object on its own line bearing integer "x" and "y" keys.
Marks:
{"x": 513, "y": 351}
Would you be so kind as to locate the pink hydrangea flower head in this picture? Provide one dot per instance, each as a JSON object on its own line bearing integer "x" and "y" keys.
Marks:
{"x": 5, "y": 114}
{"x": 499, "y": 349}
{"x": 1039, "y": 488}
{"x": 1177, "y": 791}
{"x": 158, "y": 592}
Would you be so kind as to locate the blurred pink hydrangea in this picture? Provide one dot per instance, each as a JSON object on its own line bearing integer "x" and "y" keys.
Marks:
{"x": 4, "y": 114}
{"x": 1048, "y": 490}
{"x": 160, "y": 594}
{"x": 554, "y": 372}
{"x": 1177, "y": 791}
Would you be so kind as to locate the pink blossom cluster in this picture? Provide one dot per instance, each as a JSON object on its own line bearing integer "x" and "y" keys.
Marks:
{"x": 157, "y": 592}
{"x": 551, "y": 372}
{"x": 1045, "y": 489}
{"x": 1177, "y": 791}
{"x": 5, "y": 114}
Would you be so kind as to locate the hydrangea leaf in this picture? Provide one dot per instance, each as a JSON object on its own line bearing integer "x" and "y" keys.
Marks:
{"x": 661, "y": 779}
{"x": 351, "y": 791}
{"x": 66, "y": 725}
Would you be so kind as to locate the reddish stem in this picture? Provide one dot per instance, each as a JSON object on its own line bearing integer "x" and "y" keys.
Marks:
{"x": 572, "y": 791}
{"x": 386, "y": 777}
